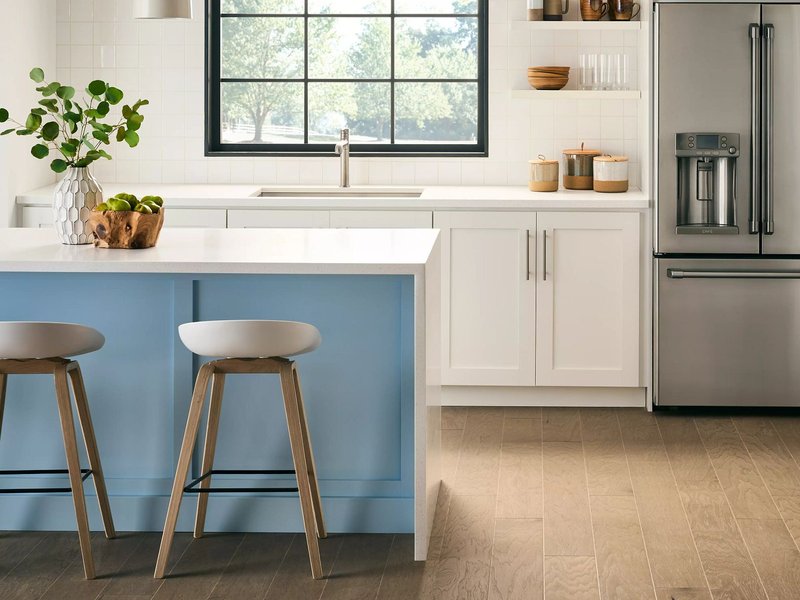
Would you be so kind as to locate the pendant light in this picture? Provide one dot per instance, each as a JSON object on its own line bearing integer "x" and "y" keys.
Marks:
{"x": 163, "y": 9}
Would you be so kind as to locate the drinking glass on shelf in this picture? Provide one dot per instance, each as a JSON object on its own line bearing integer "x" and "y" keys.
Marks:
{"x": 588, "y": 66}
{"x": 622, "y": 72}
{"x": 603, "y": 79}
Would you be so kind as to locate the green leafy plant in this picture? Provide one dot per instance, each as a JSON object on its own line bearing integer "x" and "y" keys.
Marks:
{"x": 76, "y": 130}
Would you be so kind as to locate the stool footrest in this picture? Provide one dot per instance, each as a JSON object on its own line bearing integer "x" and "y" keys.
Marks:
{"x": 191, "y": 487}
{"x": 84, "y": 476}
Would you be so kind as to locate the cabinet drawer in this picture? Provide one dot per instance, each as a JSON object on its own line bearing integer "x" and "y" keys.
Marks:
{"x": 382, "y": 219}
{"x": 279, "y": 218}
{"x": 191, "y": 217}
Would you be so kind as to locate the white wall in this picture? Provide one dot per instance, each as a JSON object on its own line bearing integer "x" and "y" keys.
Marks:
{"x": 163, "y": 61}
{"x": 27, "y": 41}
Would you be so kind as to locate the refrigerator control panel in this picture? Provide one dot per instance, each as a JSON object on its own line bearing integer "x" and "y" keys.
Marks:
{"x": 707, "y": 144}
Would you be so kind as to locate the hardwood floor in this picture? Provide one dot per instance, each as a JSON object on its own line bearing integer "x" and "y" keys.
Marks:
{"x": 536, "y": 504}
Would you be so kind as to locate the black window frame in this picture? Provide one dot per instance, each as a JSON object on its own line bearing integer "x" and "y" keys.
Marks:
{"x": 213, "y": 133}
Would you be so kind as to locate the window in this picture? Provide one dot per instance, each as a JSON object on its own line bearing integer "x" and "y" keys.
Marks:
{"x": 406, "y": 76}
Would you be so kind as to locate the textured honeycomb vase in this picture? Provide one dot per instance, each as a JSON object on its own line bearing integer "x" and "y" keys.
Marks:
{"x": 75, "y": 197}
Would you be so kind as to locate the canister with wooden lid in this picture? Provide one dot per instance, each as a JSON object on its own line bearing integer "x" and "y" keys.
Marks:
{"x": 544, "y": 175}
{"x": 610, "y": 173}
{"x": 578, "y": 168}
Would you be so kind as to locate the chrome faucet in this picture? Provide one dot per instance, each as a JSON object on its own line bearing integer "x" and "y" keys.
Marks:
{"x": 343, "y": 150}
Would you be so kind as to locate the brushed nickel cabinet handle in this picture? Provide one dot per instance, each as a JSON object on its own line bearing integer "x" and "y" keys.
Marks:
{"x": 544, "y": 255}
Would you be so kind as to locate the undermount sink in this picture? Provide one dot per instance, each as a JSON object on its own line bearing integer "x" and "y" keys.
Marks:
{"x": 340, "y": 193}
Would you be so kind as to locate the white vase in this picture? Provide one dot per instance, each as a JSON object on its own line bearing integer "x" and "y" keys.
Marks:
{"x": 75, "y": 197}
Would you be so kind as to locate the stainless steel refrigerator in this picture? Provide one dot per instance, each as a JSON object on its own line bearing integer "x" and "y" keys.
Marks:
{"x": 727, "y": 226}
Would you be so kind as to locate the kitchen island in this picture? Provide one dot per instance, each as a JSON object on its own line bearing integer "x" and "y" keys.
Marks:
{"x": 371, "y": 389}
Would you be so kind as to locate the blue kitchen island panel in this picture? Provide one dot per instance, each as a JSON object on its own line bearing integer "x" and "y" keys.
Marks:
{"x": 358, "y": 389}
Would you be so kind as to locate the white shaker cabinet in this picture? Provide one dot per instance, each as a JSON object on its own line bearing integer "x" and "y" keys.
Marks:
{"x": 215, "y": 218}
{"x": 488, "y": 297}
{"x": 261, "y": 218}
{"x": 37, "y": 217}
{"x": 587, "y": 299}
{"x": 382, "y": 219}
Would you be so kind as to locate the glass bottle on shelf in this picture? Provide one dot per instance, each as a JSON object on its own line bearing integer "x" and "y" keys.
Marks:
{"x": 535, "y": 10}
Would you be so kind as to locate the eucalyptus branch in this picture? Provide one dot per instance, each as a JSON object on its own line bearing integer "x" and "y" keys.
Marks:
{"x": 75, "y": 129}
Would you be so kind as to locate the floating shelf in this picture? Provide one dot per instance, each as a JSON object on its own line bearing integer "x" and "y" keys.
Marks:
{"x": 578, "y": 94}
{"x": 578, "y": 25}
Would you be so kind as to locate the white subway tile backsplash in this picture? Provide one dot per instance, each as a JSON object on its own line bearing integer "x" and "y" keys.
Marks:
{"x": 164, "y": 61}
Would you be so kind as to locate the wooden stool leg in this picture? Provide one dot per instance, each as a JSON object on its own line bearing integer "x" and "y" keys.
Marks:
{"x": 214, "y": 410}
{"x": 185, "y": 458}
{"x": 3, "y": 382}
{"x": 74, "y": 467}
{"x": 300, "y": 466}
{"x": 312, "y": 467}
{"x": 90, "y": 441}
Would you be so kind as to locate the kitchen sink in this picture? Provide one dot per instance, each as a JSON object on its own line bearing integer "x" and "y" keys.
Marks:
{"x": 340, "y": 193}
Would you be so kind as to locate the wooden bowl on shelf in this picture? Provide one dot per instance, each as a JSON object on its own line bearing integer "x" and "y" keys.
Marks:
{"x": 548, "y": 78}
{"x": 125, "y": 230}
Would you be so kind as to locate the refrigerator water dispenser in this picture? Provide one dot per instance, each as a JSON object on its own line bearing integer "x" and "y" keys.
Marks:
{"x": 706, "y": 183}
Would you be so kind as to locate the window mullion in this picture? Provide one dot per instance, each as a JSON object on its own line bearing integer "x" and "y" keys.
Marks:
{"x": 305, "y": 76}
{"x": 392, "y": 76}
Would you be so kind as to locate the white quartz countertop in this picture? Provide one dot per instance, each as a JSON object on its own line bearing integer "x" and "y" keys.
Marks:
{"x": 231, "y": 251}
{"x": 431, "y": 198}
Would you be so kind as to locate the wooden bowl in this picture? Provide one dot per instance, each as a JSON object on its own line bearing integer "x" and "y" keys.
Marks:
{"x": 125, "y": 230}
{"x": 547, "y": 83}
{"x": 556, "y": 70}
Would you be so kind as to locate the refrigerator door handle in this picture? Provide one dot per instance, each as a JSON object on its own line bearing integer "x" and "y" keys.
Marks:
{"x": 768, "y": 143}
{"x": 716, "y": 274}
{"x": 755, "y": 128}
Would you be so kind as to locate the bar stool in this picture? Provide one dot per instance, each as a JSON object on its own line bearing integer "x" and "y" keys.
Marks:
{"x": 31, "y": 348}
{"x": 258, "y": 347}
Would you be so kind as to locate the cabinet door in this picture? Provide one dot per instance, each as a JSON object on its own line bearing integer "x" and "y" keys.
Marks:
{"x": 279, "y": 218}
{"x": 37, "y": 217}
{"x": 383, "y": 219}
{"x": 215, "y": 218}
{"x": 488, "y": 297}
{"x": 587, "y": 299}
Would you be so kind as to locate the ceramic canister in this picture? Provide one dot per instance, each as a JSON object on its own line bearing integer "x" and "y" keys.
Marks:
{"x": 578, "y": 168}
{"x": 544, "y": 175}
{"x": 610, "y": 173}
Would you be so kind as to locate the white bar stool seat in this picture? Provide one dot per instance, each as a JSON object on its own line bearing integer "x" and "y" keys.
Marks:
{"x": 249, "y": 347}
{"x": 37, "y": 348}
{"x": 23, "y": 340}
{"x": 249, "y": 339}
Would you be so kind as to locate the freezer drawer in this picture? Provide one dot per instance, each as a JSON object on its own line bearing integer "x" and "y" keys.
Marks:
{"x": 727, "y": 332}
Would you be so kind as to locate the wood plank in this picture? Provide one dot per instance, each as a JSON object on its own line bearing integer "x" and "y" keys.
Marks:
{"x": 775, "y": 555}
{"x": 691, "y": 464}
{"x": 109, "y": 557}
{"x": 463, "y": 570}
{"x": 567, "y": 523}
{"x": 570, "y": 578}
{"x": 200, "y": 567}
{"x": 789, "y": 507}
{"x": 606, "y": 464}
{"x": 741, "y": 481}
{"x": 622, "y": 566}
{"x": 674, "y": 562}
{"x": 405, "y": 578}
{"x": 253, "y": 567}
{"x": 454, "y": 417}
{"x": 561, "y": 425}
{"x": 519, "y": 494}
{"x": 523, "y": 412}
{"x": 135, "y": 577}
{"x": 358, "y": 568}
{"x": 788, "y": 428}
{"x": 770, "y": 455}
{"x": 682, "y": 594}
{"x": 517, "y": 560}
{"x": 728, "y": 567}
{"x": 478, "y": 465}
{"x": 15, "y": 546}
{"x": 293, "y": 580}
{"x": 45, "y": 563}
